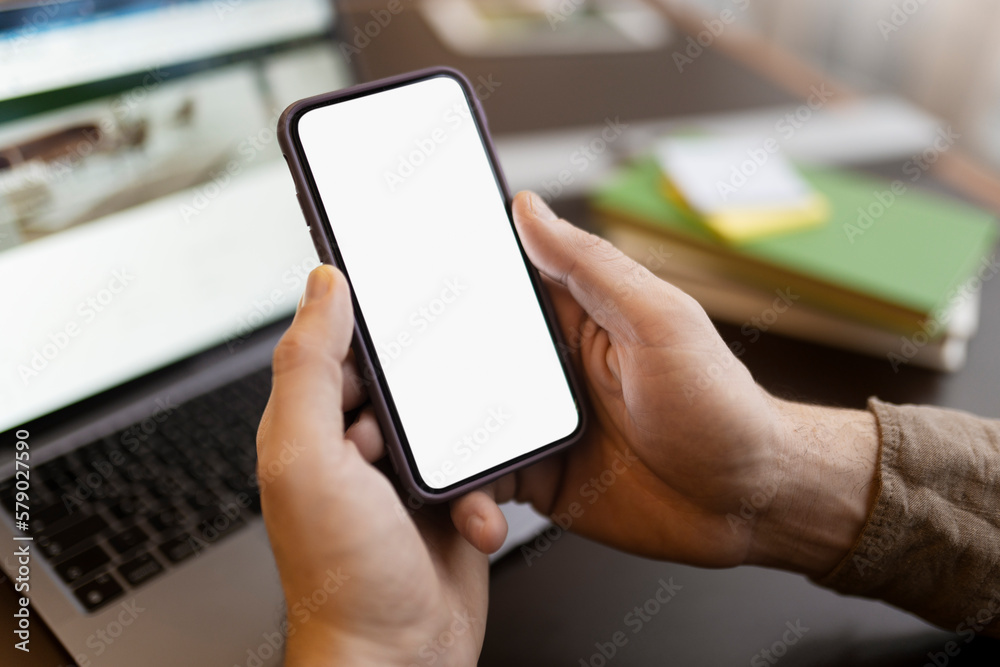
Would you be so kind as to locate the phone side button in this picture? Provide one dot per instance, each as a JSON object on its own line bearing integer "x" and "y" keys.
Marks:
{"x": 321, "y": 244}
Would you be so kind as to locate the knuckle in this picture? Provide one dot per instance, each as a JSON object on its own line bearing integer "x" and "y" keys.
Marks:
{"x": 290, "y": 353}
{"x": 599, "y": 247}
{"x": 604, "y": 253}
{"x": 678, "y": 299}
{"x": 297, "y": 350}
{"x": 294, "y": 351}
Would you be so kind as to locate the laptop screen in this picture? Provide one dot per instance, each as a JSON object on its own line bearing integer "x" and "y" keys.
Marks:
{"x": 145, "y": 211}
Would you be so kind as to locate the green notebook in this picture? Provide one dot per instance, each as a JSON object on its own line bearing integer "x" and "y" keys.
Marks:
{"x": 896, "y": 264}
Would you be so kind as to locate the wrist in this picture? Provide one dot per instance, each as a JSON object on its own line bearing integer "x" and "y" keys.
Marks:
{"x": 827, "y": 462}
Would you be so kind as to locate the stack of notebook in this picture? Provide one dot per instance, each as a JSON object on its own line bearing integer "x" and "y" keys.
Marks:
{"x": 888, "y": 270}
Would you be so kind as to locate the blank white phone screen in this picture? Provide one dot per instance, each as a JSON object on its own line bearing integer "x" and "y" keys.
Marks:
{"x": 426, "y": 241}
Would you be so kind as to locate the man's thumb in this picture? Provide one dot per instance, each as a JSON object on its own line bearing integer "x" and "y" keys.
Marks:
{"x": 598, "y": 275}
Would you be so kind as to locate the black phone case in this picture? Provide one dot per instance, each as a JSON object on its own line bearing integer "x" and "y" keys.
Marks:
{"x": 322, "y": 236}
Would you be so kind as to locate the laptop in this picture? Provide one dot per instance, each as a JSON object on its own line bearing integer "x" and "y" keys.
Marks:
{"x": 151, "y": 253}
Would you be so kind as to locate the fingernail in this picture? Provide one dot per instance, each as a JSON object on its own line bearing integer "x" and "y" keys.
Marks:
{"x": 541, "y": 209}
{"x": 317, "y": 286}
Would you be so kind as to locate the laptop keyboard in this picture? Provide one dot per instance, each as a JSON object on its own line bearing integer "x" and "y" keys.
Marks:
{"x": 122, "y": 510}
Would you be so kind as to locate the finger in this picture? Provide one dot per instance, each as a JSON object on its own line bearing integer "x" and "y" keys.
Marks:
{"x": 573, "y": 320}
{"x": 599, "y": 276}
{"x": 568, "y": 312}
{"x": 355, "y": 386}
{"x": 480, "y": 521}
{"x": 539, "y": 484}
{"x": 307, "y": 369}
{"x": 367, "y": 435}
{"x": 505, "y": 488}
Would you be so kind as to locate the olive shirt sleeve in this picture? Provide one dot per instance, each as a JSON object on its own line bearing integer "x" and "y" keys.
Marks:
{"x": 932, "y": 542}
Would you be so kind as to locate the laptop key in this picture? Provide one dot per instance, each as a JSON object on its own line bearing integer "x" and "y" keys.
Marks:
{"x": 57, "y": 543}
{"x": 123, "y": 508}
{"x": 73, "y": 569}
{"x": 216, "y": 526}
{"x": 180, "y": 548}
{"x": 140, "y": 569}
{"x": 43, "y": 517}
{"x": 166, "y": 486}
{"x": 202, "y": 500}
{"x": 98, "y": 592}
{"x": 235, "y": 483}
{"x": 165, "y": 519}
{"x": 136, "y": 472}
{"x": 57, "y": 481}
{"x": 128, "y": 539}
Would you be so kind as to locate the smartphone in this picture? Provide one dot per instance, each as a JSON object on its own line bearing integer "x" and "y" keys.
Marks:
{"x": 401, "y": 189}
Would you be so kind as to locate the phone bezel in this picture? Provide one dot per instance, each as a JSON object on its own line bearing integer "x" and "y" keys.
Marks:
{"x": 397, "y": 445}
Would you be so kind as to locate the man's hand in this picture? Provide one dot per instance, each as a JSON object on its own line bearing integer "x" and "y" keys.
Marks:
{"x": 364, "y": 584}
{"x": 686, "y": 458}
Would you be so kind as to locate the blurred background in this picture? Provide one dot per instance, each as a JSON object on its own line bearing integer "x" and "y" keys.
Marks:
{"x": 943, "y": 57}
{"x": 822, "y": 175}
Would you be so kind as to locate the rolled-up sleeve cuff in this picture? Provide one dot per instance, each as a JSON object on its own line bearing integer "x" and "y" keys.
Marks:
{"x": 932, "y": 542}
